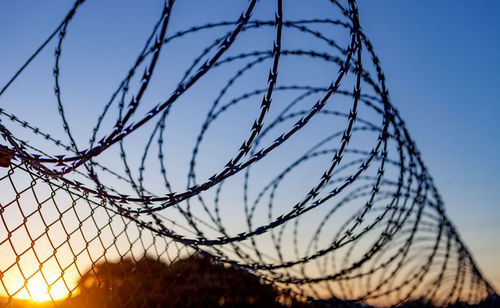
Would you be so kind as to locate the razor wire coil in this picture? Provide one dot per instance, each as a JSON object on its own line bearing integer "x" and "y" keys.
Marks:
{"x": 393, "y": 244}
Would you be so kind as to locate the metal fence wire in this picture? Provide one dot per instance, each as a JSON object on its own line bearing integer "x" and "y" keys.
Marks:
{"x": 302, "y": 186}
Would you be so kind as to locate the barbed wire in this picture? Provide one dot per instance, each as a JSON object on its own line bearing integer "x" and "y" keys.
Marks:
{"x": 366, "y": 224}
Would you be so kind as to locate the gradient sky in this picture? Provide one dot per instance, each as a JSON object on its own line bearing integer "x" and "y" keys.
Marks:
{"x": 441, "y": 60}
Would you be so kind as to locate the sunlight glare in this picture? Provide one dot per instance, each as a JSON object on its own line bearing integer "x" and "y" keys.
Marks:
{"x": 38, "y": 290}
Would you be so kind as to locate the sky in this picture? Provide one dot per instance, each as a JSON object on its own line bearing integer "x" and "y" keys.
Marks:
{"x": 440, "y": 59}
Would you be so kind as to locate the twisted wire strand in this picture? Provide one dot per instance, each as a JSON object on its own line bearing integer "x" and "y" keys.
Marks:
{"x": 370, "y": 228}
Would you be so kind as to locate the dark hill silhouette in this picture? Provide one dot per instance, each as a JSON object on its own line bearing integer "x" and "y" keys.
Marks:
{"x": 191, "y": 282}
{"x": 196, "y": 281}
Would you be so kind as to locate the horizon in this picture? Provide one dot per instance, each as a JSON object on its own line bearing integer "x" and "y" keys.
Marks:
{"x": 440, "y": 73}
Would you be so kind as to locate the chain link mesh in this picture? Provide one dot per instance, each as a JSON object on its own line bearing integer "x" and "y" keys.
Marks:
{"x": 326, "y": 201}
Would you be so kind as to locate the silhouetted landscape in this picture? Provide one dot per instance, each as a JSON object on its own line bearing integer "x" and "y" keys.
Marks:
{"x": 196, "y": 281}
{"x": 191, "y": 282}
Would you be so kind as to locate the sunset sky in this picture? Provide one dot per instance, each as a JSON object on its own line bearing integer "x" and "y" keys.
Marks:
{"x": 441, "y": 61}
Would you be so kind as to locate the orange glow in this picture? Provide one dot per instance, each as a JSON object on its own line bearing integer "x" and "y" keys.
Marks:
{"x": 37, "y": 290}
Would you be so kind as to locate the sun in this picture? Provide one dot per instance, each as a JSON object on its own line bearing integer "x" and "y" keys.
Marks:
{"x": 37, "y": 290}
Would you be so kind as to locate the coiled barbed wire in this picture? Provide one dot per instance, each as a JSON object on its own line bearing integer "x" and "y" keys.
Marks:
{"x": 366, "y": 224}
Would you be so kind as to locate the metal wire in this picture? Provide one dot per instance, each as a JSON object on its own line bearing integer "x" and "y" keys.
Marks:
{"x": 335, "y": 203}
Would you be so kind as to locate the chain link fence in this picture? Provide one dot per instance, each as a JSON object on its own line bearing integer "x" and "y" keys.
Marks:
{"x": 325, "y": 202}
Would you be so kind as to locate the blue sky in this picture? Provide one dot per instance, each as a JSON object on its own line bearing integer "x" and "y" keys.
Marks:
{"x": 441, "y": 60}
